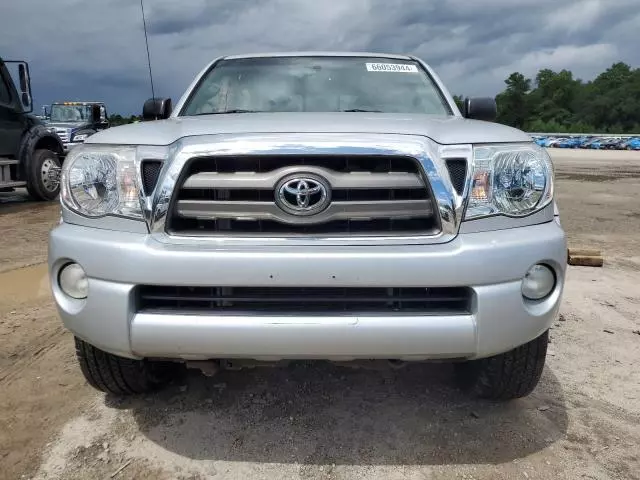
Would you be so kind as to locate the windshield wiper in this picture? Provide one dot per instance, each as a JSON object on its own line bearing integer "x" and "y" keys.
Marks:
{"x": 234, "y": 110}
{"x": 361, "y": 110}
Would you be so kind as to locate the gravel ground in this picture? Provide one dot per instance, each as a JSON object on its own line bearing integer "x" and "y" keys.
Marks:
{"x": 316, "y": 420}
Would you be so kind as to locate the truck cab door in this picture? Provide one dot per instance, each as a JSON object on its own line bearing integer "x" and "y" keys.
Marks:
{"x": 12, "y": 119}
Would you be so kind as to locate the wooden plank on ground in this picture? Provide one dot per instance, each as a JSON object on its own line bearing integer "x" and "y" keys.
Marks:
{"x": 585, "y": 258}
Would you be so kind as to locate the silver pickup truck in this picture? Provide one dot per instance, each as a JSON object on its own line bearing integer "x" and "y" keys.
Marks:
{"x": 334, "y": 206}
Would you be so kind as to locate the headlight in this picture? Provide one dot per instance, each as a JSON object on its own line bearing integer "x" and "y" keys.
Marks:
{"x": 80, "y": 137}
{"x": 99, "y": 181}
{"x": 512, "y": 180}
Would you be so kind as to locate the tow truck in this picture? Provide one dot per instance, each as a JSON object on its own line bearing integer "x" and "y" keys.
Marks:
{"x": 31, "y": 154}
{"x": 73, "y": 122}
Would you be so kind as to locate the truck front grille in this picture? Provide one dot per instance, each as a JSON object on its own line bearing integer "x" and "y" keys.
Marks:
{"x": 63, "y": 134}
{"x": 305, "y": 300}
{"x": 365, "y": 195}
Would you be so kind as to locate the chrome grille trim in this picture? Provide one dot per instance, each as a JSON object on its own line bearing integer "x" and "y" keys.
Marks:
{"x": 337, "y": 180}
{"x": 63, "y": 134}
{"x": 448, "y": 204}
{"x": 212, "y": 210}
{"x": 371, "y": 192}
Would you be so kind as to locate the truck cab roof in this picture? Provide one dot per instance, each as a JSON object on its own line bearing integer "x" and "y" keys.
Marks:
{"x": 77, "y": 103}
{"x": 318, "y": 54}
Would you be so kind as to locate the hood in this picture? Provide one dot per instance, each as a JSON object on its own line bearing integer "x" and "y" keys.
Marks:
{"x": 65, "y": 125}
{"x": 442, "y": 129}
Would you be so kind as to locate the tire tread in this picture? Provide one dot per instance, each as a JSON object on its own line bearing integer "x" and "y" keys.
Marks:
{"x": 509, "y": 375}
{"x": 113, "y": 374}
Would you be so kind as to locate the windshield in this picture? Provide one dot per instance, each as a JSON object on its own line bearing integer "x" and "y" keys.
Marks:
{"x": 70, "y": 113}
{"x": 316, "y": 84}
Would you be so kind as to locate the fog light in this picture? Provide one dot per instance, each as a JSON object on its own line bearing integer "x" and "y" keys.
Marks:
{"x": 73, "y": 281}
{"x": 538, "y": 282}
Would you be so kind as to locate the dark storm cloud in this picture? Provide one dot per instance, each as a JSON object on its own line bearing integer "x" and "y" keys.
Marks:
{"x": 172, "y": 17}
{"x": 164, "y": 19}
{"x": 96, "y": 50}
{"x": 488, "y": 31}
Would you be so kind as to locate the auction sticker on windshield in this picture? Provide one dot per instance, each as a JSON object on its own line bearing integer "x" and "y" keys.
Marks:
{"x": 391, "y": 67}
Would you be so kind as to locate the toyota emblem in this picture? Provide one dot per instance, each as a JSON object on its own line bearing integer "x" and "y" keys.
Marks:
{"x": 303, "y": 194}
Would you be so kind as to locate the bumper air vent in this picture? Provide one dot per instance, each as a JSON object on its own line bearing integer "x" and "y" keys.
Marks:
{"x": 305, "y": 300}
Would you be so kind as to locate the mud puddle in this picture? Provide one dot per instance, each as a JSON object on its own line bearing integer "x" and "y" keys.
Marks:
{"x": 24, "y": 285}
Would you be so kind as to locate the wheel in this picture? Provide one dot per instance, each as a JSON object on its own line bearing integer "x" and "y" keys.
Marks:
{"x": 43, "y": 175}
{"x": 117, "y": 375}
{"x": 510, "y": 375}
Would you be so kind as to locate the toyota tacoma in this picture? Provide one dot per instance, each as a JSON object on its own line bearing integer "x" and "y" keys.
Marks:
{"x": 334, "y": 206}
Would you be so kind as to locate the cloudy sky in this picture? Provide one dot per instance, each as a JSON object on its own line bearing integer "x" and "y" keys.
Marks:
{"x": 94, "y": 50}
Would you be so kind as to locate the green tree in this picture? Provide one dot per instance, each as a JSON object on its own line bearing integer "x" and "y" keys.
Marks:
{"x": 117, "y": 119}
{"x": 459, "y": 102}
{"x": 558, "y": 102}
{"x": 554, "y": 97}
{"x": 513, "y": 103}
{"x": 616, "y": 98}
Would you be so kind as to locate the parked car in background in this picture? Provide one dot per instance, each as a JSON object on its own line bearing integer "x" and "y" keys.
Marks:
{"x": 605, "y": 142}
{"x": 541, "y": 141}
{"x": 631, "y": 144}
{"x": 565, "y": 143}
{"x": 597, "y": 144}
{"x": 584, "y": 140}
{"x": 613, "y": 144}
{"x": 572, "y": 142}
{"x": 589, "y": 142}
{"x": 555, "y": 141}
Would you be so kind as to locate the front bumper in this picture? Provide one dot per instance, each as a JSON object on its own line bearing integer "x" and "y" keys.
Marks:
{"x": 491, "y": 263}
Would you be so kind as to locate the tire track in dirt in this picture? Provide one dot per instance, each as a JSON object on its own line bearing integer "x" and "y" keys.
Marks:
{"x": 41, "y": 387}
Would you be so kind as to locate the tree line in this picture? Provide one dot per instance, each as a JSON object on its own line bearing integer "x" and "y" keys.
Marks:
{"x": 117, "y": 119}
{"x": 558, "y": 102}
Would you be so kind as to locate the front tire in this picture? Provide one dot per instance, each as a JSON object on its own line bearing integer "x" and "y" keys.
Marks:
{"x": 43, "y": 175}
{"x": 509, "y": 375}
{"x": 118, "y": 375}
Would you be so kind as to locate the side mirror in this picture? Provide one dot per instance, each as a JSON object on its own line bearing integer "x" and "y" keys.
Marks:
{"x": 24, "y": 77}
{"x": 25, "y": 85}
{"x": 483, "y": 108}
{"x": 156, "y": 109}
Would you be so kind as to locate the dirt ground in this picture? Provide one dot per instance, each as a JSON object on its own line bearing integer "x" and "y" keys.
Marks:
{"x": 318, "y": 421}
